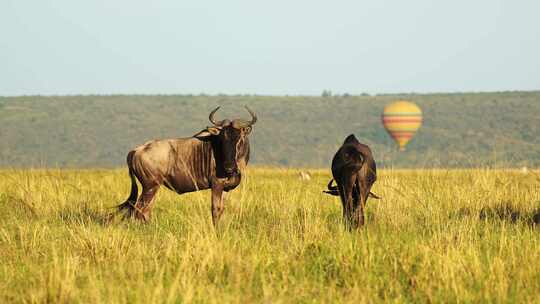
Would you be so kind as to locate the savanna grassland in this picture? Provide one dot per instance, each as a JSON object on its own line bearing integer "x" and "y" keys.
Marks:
{"x": 436, "y": 236}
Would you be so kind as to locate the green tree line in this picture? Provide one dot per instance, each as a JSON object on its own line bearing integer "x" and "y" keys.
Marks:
{"x": 459, "y": 130}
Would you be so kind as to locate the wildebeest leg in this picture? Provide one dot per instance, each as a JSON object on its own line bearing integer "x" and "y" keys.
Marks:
{"x": 359, "y": 204}
{"x": 143, "y": 207}
{"x": 357, "y": 212}
{"x": 345, "y": 192}
{"x": 224, "y": 196}
{"x": 343, "y": 198}
{"x": 217, "y": 202}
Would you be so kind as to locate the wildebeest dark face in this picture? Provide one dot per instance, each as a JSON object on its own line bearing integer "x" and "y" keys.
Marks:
{"x": 229, "y": 138}
{"x": 230, "y": 141}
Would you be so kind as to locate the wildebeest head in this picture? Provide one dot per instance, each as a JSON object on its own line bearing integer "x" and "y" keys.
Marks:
{"x": 228, "y": 139}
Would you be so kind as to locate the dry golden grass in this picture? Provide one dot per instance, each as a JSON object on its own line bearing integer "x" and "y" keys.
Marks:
{"x": 436, "y": 236}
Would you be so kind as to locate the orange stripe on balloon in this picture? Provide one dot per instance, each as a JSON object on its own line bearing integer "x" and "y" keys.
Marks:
{"x": 402, "y": 132}
{"x": 402, "y": 136}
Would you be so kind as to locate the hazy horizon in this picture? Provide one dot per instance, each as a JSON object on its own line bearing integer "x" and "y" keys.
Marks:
{"x": 269, "y": 95}
{"x": 280, "y": 48}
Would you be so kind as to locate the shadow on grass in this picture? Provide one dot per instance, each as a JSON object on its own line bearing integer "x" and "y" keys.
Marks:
{"x": 20, "y": 206}
{"x": 86, "y": 215}
{"x": 502, "y": 212}
{"x": 509, "y": 214}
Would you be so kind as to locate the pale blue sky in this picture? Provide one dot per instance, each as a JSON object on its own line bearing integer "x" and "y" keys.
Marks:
{"x": 267, "y": 47}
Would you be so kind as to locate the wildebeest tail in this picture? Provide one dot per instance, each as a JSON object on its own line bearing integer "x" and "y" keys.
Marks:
{"x": 130, "y": 202}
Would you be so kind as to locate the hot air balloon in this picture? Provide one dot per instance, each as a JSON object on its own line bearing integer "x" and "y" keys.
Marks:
{"x": 401, "y": 119}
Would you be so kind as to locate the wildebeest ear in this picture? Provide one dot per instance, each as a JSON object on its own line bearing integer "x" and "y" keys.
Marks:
{"x": 247, "y": 130}
{"x": 207, "y": 132}
{"x": 213, "y": 130}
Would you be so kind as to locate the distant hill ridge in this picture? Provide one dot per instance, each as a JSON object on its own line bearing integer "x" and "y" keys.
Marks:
{"x": 460, "y": 129}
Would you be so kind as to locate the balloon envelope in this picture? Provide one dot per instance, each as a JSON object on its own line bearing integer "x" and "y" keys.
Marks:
{"x": 401, "y": 119}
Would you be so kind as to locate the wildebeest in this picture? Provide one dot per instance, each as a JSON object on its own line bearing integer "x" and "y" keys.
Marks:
{"x": 211, "y": 159}
{"x": 355, "y": 171}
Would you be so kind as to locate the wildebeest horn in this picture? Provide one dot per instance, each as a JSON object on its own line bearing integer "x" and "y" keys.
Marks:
{"x": 211, "y": 117}
{"x": 332, "y": 190}
{"x": 253, "y": 116}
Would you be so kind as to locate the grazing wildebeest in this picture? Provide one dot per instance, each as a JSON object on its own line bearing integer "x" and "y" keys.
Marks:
{"x": 211, "y": 159}
{"x": 354, "y": 170}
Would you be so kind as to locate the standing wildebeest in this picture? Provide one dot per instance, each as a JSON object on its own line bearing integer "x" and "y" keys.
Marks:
{"x": 354, "y": 171}
{"x": 212, "y": 159}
